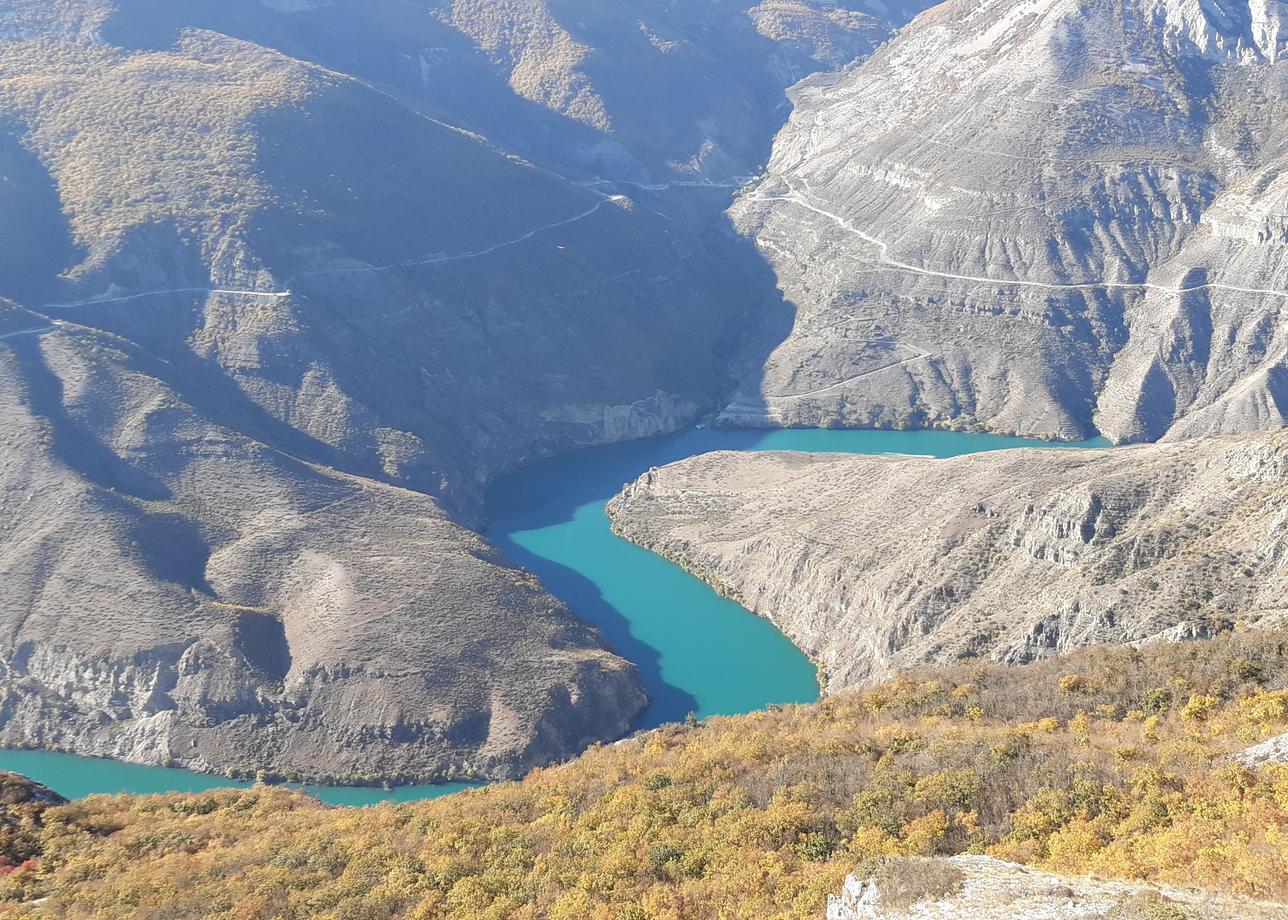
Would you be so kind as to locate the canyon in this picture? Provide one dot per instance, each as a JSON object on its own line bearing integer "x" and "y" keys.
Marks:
{"x": 285, "y": 286}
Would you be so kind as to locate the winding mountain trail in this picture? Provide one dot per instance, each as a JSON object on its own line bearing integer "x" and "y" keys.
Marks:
{"x": 125, "y": 298}
{"x": 35, "y": 330}
{"x": 735, "y": 182}
{"x": 848, "y": 380}
{"x": 801, "y": 199}
{"x": 442, "y": 259}
{"x": 462, "y": 256}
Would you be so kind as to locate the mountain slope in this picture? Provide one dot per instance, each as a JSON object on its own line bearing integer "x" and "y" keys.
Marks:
{"x": 178, "y": 593}
{"x": 348, "y": 293}
{"x": 639, "y": 90}
{"x": 1039, "y": 216}
{"x": 348, "y": 296}
{"x": 874, "y": 565}
{"x": 1128, "y": 777}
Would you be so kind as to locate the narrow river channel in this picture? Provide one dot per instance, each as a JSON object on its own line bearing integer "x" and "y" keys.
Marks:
{"x": 697, "y": 651}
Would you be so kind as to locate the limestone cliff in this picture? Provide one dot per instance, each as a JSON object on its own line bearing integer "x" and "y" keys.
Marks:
{"x": 1042, "y": 216}
{"x": 874, "y": 565}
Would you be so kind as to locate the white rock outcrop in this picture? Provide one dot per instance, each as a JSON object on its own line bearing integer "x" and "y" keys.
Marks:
{"x": 1272, "y": 751}
{"x": 996, "y": 890}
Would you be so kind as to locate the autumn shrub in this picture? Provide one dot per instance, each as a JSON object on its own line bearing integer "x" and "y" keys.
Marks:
{"x": 750, "y": 817}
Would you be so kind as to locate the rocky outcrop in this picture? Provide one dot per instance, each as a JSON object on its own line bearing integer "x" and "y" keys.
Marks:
{"x": 1271, "y": 751}
{"x": 23, "y": 804}
{"x": 995, "y": 890}
{"x": 1036, "y": 216}
{"x": 875, "y": 565}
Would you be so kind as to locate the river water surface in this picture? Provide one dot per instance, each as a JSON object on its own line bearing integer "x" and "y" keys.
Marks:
{"x": 697, "y": 651}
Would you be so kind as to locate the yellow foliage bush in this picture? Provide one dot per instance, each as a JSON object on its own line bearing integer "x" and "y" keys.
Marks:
{"x": 1199, "y": 707}
{"x": 748, "y": 817}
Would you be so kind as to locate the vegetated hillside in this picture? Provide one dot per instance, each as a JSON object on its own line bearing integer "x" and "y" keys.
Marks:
{"x": 244, "y": 286}
{"x": 23, "y": 804}
{"x": 1043, "y": 216}
{"x": 1113, "y": 761}
{"x": 637, "y": 90}
{"x": 873, "y": 565}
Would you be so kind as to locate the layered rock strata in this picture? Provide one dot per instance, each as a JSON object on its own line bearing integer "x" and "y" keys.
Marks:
{"x": 875, "y": 565}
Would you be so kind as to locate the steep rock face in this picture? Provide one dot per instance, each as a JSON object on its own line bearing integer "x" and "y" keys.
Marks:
{"x": 1040, "y": 216}
{"x": 874, "y": 565}
{"x": 177, "y": 593}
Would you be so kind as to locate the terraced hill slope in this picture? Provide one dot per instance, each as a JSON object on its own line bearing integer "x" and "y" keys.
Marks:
{"x": 1048, "y": 217}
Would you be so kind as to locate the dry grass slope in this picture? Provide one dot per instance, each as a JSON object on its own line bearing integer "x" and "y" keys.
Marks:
{"x": 1112, "y": 761}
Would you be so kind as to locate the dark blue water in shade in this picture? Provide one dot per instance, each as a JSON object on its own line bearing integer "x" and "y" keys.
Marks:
{"x": 697, "y": 651}
{"x": 75, "y": 777}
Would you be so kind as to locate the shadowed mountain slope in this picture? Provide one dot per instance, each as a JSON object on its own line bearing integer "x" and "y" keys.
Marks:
{"x": 628, "y": 89}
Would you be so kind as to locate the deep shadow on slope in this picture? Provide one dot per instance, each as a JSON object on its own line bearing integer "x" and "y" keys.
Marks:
{"x": 393, "y": 43}
{"x": 151, "y": 337}
{"x": 74, "y": 441}
{"x": 489, "y": 308}
{"x": 667, "y": 702}
{"x": 35, "y": 238}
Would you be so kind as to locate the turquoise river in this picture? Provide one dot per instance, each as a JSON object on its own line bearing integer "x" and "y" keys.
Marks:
{"x": 697, "y": 651}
